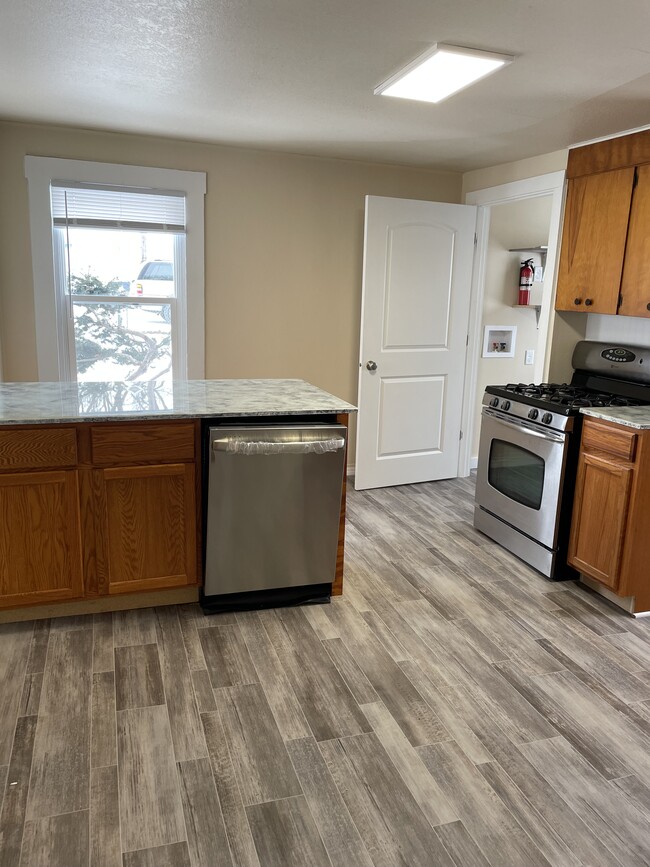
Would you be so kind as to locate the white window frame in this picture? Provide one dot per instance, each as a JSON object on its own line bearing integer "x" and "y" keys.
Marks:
{"x": 52, "y": 344}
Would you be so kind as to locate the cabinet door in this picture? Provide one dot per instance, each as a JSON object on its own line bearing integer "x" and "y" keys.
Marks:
{"x": 593, "y": 241}
{"x": 40, "y": 540}
{"x": 635, "y": 286}
{"x": 149, "y": 527}
{"x": 600, "y": 517}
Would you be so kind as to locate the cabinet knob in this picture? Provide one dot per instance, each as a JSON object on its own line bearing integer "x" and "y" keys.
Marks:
{"x": 588, "y": 302}
{"x": 577, "y": 301}
{"x": 647, "y": 307}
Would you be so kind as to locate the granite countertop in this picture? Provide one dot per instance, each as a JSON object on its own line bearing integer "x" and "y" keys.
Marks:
{"x": 51, "y": 402}
{"x": 631, "y": 416}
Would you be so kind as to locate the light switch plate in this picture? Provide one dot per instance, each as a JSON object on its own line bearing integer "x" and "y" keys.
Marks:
{"x": 530, "y": 356}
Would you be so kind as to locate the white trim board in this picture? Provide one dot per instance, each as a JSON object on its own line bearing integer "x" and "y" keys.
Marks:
{"x": 40, "y": 172}
{"x": 551, "y": 184}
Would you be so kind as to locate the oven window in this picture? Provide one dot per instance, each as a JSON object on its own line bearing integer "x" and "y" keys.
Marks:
{"x": 517, "y": 473}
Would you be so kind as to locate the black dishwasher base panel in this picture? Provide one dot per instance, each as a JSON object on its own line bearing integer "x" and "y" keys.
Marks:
{"x": 309, "y": 594}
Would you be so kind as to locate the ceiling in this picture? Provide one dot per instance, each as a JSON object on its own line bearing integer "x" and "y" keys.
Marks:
{"x": 298, "y": 75}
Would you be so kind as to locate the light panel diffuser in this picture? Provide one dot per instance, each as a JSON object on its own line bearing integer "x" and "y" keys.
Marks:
{"x": 441, "y": 71}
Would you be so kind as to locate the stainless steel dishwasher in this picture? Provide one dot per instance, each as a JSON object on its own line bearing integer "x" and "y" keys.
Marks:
{"x": 273, "y": 508}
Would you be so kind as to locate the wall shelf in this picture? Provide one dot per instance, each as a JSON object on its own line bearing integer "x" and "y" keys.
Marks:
{"x": 536, "y": 307}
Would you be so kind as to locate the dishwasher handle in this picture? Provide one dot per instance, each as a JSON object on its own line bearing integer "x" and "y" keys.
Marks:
{"x": 239, "y": 446}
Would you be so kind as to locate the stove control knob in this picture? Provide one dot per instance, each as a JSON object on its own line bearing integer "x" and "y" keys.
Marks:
{"x": 494, "y": 401}
{"x": 533, "y": 413}
{"x": 547, "y": 418}
{"x": 505, "y": 405}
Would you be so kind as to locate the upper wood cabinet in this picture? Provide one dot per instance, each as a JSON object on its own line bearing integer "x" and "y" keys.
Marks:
{"x": 593, "y": 241}
{"x": 605, "y": 252}
{"x": 635, "y": 286}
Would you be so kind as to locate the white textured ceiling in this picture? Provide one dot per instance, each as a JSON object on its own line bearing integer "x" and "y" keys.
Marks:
{"x": 298, "y": 75}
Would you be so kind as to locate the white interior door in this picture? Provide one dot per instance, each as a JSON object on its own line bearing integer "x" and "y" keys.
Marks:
{"x": 416, "y": 291}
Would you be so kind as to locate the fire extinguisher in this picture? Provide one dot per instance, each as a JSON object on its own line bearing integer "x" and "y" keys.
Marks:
{"x": 526, "y": 273}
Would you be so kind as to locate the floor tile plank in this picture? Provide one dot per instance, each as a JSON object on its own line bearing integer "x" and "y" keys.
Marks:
{"x": 614, "y": 820}
{"x": 419, "y": 781}
{"x": 285, "y": 834}
{"x": 57, "y": 841}
{"x": 151, "y": 812}
{"x": 461, "y": 847}
{"x": 206, "y": 832}
{"x": 328, "y": 705}
{"x": 61, "y": 761}
{"x": 134, "y": 626}
{"x": 392, "y": 826}
{"x": 38, "y": 647}
{"x": 31, "y": 696}
{"x": 103, "y": 741}
{"x": 16, "y": 643}
{"x": 103, "y": 656}
{"x": 12, "y": 815}
{"x": 337, "y": 829}
{"x": 262, "y": 765}
{"x": 172, "y": 855}
{"x": 227, "y": 656}
{"x": 184, "y": 719}
{"x": 203, "y": 691}
{"x": 138, "y": 681}
{"x": 234, "y": 815}
{"x": 105, "y": 847}
{"x": 486, "y": 818}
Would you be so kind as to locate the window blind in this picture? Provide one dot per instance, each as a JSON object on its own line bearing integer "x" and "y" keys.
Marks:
{"x": 105, "y": 207}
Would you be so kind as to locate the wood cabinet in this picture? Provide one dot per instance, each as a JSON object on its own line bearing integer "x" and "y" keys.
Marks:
{"x": 610, "y": 541}
{"x": 40, "y": 538}
{"x": 605, "y": 253}
{"x": 97, "y": 509}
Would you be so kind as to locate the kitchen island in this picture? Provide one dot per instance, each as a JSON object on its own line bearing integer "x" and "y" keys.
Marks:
{"x": 100, "y": 486}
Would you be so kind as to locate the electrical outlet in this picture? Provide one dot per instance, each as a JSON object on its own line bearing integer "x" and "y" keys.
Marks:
{"x": 530, "y": 356}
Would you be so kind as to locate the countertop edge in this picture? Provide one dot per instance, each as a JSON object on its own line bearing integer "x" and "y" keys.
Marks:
{"x": 606, "y": 414}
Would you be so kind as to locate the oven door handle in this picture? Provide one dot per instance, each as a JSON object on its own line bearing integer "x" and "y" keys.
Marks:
{"x": 508, "y": 422}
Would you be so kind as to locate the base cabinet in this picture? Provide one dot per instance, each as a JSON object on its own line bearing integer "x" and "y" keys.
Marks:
{"x": 40, "y": 538}
{"x": 602, "y": 501}
{"x": 97, "y": 509}
{"x": 610, "y": 541}
{"x": 150, "y": 527}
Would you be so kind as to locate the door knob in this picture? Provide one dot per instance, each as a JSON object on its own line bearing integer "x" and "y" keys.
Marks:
{"x": 371, "y": 365}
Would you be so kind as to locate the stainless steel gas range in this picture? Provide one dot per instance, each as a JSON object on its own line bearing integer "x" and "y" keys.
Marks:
{"x": 530, "y": 437}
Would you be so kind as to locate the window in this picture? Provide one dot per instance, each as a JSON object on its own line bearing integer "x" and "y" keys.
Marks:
{"x": 118, "y": 269}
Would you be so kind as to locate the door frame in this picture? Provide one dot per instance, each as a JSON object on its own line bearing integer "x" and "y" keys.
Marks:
{"x": 551, "y": 184}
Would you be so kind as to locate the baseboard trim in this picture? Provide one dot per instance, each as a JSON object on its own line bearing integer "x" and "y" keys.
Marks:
{"x": 473, "y": 463}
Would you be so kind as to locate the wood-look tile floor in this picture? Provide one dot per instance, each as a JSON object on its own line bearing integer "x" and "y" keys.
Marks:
{"x": 453, "y": 708}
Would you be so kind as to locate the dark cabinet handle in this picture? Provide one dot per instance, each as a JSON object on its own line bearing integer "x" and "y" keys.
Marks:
{"x": 577, "y": 300}
{"x": 588, "y": 302}
{"x": 647, "y": 307}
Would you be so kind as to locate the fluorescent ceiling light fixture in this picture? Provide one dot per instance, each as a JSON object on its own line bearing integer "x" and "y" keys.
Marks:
{"x": 441, "y": 71}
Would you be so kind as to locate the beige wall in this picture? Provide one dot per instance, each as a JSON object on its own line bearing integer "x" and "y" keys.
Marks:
{"x": 482, "y": 179}
{"x": 512, "y": 224}
{"x": 284, "y": 242}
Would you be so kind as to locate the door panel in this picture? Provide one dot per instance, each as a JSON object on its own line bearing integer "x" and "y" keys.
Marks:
{"x": 418, "y": 286}
{"x": 403, "y": 398}
{"x": 418, "y": 259}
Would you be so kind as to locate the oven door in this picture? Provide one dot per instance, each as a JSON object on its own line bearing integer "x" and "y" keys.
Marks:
{"x": 520, "y": 475}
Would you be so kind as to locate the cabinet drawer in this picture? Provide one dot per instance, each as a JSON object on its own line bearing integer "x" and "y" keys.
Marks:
{"x": 613, "y": 440}
{"x": 37, "y": 448}
{"x": 123, "y": 444}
